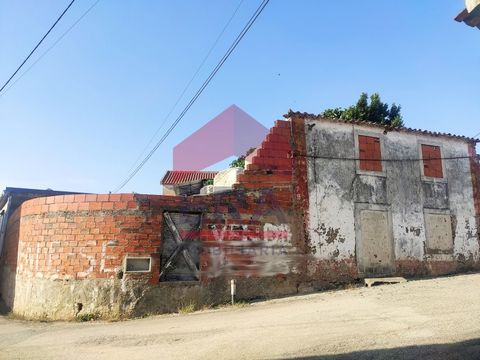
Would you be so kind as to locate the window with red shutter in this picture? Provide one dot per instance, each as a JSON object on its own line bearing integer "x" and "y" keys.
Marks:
{"x": 432, "y": 161}
{"x": 370, "y": 153}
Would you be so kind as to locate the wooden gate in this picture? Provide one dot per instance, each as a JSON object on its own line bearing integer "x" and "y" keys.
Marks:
{"x": 181, "y": 247}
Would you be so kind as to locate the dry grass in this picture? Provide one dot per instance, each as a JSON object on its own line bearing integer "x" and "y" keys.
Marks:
{"x": 187, "y": 308}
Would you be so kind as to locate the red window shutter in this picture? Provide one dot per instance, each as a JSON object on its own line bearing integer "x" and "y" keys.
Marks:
{"x": 370, "y": 153}
{"x": 432, "y": 161}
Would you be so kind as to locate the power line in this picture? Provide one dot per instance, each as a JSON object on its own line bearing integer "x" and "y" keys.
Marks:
{"x": 187, "y": 86}
{"x": 476, "y": 136}
{"x": 38, "y": 44}
{"x": 382, "y": 160}
{"x": 240, "y": 36}
{"x": 51, "y": 47}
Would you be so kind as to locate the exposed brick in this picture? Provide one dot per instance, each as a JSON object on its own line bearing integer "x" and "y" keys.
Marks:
{"x": 107, "y": 205}
{"x": 91, "y": 197}
{"x": 79, "y": 198}
{"x": 68, "y": 198}
{"x": 432, "y": 168}
{"x": 102, "y": 197}
{"x": 59, "y": 199}
{"x": 93, "y": 206}
{"x": 475, "y": 173}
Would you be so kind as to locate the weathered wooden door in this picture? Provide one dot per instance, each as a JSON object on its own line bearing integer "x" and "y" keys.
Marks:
{"x": 375, "y": 253}
{"x": 181, "y": 247}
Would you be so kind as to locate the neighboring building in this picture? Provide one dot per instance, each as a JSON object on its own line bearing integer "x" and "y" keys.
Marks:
{"x": 181, "y": 182}
{"x": 321, "y": 202}
{"x": 223, "y": 181}
{"x": 12, "y": 198}
{"x": 471, "y": 14}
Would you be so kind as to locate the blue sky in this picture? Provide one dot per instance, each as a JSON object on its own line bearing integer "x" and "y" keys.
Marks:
{"x": 81, "y": 116}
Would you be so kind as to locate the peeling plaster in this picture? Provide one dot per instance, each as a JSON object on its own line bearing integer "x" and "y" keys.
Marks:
{"x": 335, "y": 187}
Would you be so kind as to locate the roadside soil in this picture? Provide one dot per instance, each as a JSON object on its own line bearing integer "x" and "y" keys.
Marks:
{"x": 427, "y": 319}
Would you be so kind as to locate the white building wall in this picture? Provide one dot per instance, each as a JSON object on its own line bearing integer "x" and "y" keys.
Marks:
{"x": 337, "y": 187}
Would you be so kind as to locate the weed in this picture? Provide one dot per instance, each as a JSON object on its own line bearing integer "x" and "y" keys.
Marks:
{"x": 240, "y": 304}
{"x": 187, "y": 308}
{"x": 88, "y": 317}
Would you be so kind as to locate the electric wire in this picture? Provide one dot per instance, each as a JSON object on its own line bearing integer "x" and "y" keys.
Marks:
{"x": 36, "y": 46}
{"x": 51, "y": 47}
{"x": 240, "y": 36}
{"x": 187, "y": 86}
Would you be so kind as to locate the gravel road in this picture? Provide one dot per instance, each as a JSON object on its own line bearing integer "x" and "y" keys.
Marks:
{"x": 428, "y": 319}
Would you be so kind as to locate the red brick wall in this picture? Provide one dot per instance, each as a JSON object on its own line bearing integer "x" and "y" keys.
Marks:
{"x": 277, "y": 165}
{"x": 432, "y": 168}
{"x": 370, "y": 153}
{"x": 233, "y": 230}
{"x": 475, "y": 170}
{"x": 300, "y": 182}
{"x": 88, "y": 236}
{"x": 272, "y": 164}
{"x": 84, "y": 236}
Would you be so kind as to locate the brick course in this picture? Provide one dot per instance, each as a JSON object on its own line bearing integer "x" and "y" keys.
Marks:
{"x": 272, "y": 164}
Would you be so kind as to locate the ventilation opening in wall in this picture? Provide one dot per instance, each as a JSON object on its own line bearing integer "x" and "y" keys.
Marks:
{"x": 133, "y": 264}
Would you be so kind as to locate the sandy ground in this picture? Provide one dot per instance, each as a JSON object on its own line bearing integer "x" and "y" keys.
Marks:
{"x": 427, "y": 319}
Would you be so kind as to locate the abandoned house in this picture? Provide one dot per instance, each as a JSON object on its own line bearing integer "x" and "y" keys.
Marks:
{"x": 321, "y": 201}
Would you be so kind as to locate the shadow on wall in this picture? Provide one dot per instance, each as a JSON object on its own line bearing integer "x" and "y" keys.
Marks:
{"x": 8, "y": 262}
{"x": 469, "y": 349}
{"x": 3, "y": 308}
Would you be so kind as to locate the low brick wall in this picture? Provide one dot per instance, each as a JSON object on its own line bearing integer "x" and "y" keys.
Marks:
{"x": 84, "y": 236}
{"x": 68, "y": 250}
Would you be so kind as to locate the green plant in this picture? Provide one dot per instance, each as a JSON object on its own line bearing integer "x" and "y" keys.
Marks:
{"x": 240, "y": 162}
{"x": 376, "y": 111}
{"x": 88, "y": 317}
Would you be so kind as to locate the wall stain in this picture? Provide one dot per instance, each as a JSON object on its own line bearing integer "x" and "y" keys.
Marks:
{"x": 412, "y": 229}
{"x": 331, "y": 234}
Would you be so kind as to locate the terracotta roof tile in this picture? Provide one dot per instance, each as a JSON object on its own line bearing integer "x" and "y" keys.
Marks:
{"x": 292, "y": 114}
{"x": 173, "y": 177}
{"x": 470, "y": 18}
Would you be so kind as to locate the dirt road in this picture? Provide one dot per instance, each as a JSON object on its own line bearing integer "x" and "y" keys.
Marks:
{"x": 428, "y": 319}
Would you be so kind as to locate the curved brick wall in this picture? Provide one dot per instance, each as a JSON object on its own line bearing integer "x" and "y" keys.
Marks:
{"x": 65, "y": 254}
{"x": 84, "y": 236}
